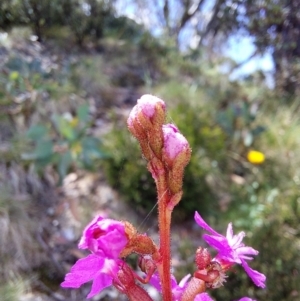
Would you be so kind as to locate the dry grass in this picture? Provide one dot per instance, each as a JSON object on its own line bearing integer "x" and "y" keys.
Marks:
{"x": 18, "y": 247}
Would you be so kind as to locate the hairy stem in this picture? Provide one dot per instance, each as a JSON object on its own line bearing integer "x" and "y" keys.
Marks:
{"x": 164, "y": 222}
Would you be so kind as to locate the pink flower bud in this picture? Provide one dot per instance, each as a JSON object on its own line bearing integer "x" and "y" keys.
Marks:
{"x": 148, "y": 103}
{"x": 174, "y": 142}
{"x": 132, "y": 116}
{"x": 202, "y": 258}
{"x": 149, "y": 109}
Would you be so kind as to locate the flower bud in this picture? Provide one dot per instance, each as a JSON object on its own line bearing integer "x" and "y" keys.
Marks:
{"x": 175, "y": 146}
{"x": 149, "y": 110}
{"x": 152, "y": 108}
{"x": 145, "y": 123}
{"x": 202, "y": 258}
{"x": 176, "y": 154}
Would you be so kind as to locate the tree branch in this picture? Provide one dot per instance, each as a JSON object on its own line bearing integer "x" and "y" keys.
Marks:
{"x": 186, "y": 15}
{"x": 212, "y": 21}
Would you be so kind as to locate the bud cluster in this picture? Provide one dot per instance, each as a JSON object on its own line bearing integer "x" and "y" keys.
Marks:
{"x": 164, "y": 147}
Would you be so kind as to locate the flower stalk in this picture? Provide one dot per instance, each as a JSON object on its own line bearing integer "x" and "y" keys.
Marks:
{"x": 110, "y": 242}
{"x": 164, "y": 266}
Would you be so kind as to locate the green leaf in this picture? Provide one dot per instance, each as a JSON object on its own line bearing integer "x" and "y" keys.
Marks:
{"x": 225, "y": 120}
{"x": 37, "y": 132}
{"x": 64, "y": 128}
{"x": 41, "y": 163}
{"x": 43, "y": 150}
{"x": 91, "y": 148}
{"x": 83, "y": 113}
{"x": 64, "y": 163}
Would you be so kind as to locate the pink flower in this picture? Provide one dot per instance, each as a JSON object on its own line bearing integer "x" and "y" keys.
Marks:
{"x": 231, "y": 249}
{"x": 203, "y": 297}
{"x": 101, "y": 270}
{"x": 105, "y": 238}
{"x": 174, "y": 142}
{"x": 147, "y": 105}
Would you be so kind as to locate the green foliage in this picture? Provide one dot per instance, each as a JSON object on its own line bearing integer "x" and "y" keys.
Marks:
{"x": 28, "y": 79}
{"x": 237, "y": 121}
{"x": 220, "y": 119}
{"x": 124, "y": 28}
{"x": 91, "y": 19}
{"x": 9, "y": 13}
{"x": 277, "y": 21}
{"x": 267, "y": 207}
{"x": 64, "y": 142}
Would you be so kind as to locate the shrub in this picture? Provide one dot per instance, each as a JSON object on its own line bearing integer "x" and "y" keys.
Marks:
{"x": 64, "y": 142}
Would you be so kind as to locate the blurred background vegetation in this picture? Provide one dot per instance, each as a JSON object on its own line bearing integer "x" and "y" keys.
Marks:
{"x": 70, "y": 71}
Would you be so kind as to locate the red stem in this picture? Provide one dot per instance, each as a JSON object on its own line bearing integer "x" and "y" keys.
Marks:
{"x": 164, "y": 222}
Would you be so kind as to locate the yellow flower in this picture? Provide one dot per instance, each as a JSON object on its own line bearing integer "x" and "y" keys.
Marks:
{"x": 14, "y": 75}
{"x": 255, "y": 157}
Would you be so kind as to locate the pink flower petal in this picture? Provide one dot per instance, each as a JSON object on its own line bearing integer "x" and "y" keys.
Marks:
{"x": 203, "y": 297}
{"x": 83, "y": 270}
{"x": 200, "y": 221}
{"x": 257, "y": 277}
{"x": 100, "y": 282}
{"x": 105, "y": 237}
{"x": 221, "y": 245}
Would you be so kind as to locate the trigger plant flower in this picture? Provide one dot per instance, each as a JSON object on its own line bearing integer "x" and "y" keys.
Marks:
{"x": 105, "y": 238}
{"x": 231, "y": 250}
